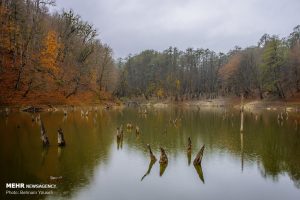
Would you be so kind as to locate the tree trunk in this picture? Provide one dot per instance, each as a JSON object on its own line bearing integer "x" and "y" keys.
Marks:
{"x": 28, "y": 88}
{"x": 73, "y": 92}
{"x": 242, "y": 113}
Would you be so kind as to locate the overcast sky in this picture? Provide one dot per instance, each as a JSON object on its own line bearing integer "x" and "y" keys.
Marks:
{"x": 130, "y": 26}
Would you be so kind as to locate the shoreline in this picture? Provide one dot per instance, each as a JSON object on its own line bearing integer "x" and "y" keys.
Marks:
{"x": 250, "y": 105}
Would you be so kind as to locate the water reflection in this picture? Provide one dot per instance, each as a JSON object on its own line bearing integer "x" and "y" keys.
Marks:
{"x": 119, "y": 143}
{"x": 95, "y": 157}
{"x": 189, "y": 150}
{"x": 242, "y": 151}
{"x": 152, "y": 162}
{"x": 199, "y": 171}
{"x": 162, "y": 168}
{"x": 189, "y": 157}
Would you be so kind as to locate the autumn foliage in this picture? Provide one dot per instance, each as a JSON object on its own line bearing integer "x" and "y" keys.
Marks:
{"x": 227, "y": 71}
{"x": 49, "y": 53}
{"x": 270, "y": 69}
{"x": 51, "y": 58}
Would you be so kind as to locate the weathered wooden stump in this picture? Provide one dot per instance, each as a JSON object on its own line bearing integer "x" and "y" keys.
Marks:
{"x": 60, "y": 138}
{"x": 137, "y": 130}
{"x": 44, "y": 136}
{"x": 65, "y": 113}
{"x": 242, "y": 113}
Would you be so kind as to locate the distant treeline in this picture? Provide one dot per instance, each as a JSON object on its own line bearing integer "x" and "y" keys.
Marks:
{"x": 270, "y": 68}
{"x": 50, "y": 53}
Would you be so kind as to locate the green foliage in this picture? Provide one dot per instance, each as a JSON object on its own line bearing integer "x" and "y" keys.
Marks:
{"x": 273, "y": 63}
{"x": 171, "y": 71}
{"x": 268, "y": 68}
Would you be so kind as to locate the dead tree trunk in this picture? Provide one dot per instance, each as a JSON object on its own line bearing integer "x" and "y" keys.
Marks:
{"x": 77, "y": 79}
{"x": 60, "y": 138}
{"x": 44, "y": 136}
{"x": 28, "y": 88}
{"x": 242, "y": 113}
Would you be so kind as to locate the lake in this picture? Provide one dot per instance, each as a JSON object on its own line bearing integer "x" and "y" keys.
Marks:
{"x": 263, "y": 162}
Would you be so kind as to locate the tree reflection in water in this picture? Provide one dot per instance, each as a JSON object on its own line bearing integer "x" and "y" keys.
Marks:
{"x": 92, "y": 143}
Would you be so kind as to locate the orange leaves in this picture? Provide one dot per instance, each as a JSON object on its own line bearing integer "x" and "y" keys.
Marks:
{"x": 49, "y": 52}
{"x": 227, "y": 70}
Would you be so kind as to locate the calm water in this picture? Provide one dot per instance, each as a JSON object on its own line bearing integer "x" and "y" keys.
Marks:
{"x": 261, "y": 163}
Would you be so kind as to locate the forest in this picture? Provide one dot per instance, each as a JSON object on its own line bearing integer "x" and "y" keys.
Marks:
{"x": 269, "y": 69}
{"x": 57, "y": 58}
{"x": 50, "y": 57}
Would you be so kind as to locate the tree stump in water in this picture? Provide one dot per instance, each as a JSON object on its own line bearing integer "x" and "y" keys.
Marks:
{"x": 163, "y": 156}
{"x": 242, "y": 113}
{"x": 44, "y": 136}
{"x": 60, "y": 138}
{"x": 199, "y": 156}
{"x": 137, "y": 130}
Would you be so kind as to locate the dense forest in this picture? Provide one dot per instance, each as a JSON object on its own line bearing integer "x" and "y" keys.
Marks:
{"x": 269, "y": 69}
{"x": 56, "y": 57}
{"x": 50, "y": 57}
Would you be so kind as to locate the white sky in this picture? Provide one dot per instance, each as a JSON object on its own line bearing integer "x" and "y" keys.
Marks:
{"x": 130, "y": 26}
